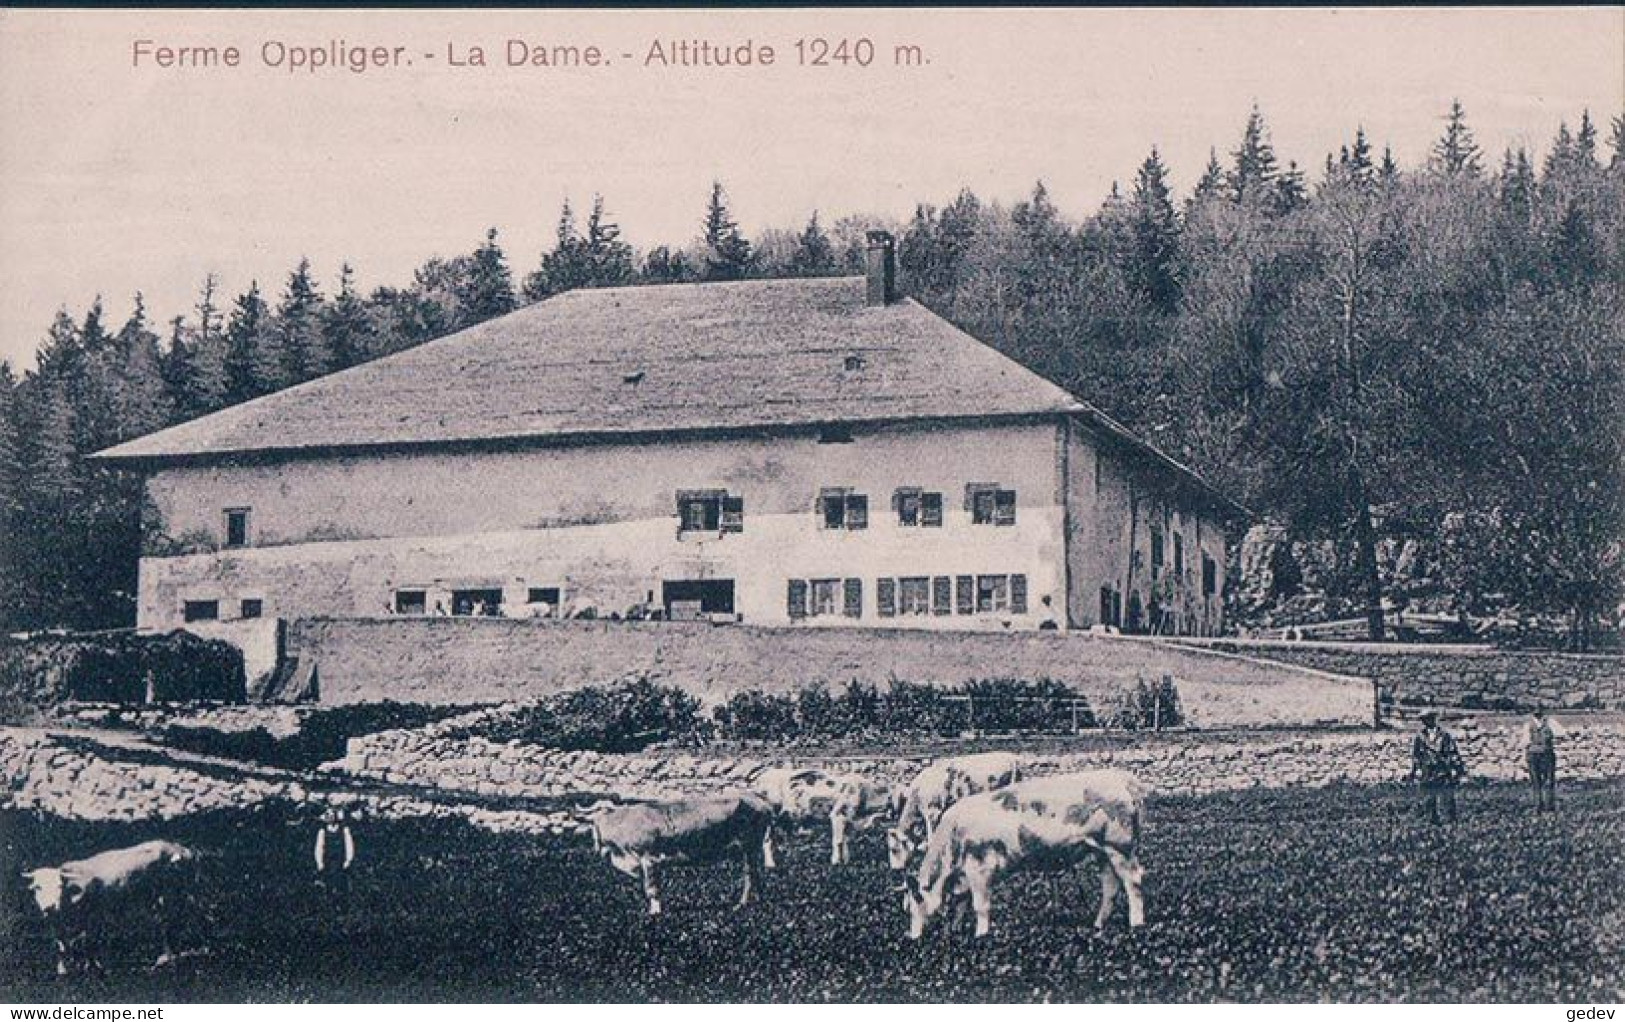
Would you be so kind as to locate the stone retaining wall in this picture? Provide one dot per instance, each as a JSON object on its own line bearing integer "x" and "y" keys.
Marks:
{"x": 474, "y": 660}
{"x": 1453, "y": 675}
{"x": 1175, "y": 765}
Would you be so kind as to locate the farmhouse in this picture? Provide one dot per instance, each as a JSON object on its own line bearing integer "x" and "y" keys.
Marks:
{"x": 814, "y": 452}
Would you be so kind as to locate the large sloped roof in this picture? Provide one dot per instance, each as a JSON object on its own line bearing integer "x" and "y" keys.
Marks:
{"x": 711, "y": 356}
{"x": 650, "y": 359}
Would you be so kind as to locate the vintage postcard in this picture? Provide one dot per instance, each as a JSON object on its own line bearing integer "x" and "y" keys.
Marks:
{"x": 812, "y": 505}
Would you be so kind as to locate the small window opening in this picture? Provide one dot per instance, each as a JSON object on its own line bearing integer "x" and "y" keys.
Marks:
{"x": 236, "y": 526}
{"x": 201, "y": 610}
{"x": 411, "y": 601}
{"x": 251, "y": 608}
{"x": 854, "y": 363}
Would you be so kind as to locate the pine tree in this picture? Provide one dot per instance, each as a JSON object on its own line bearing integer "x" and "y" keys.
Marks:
{"x": 561, "y": 269}
{"x": 814, "y": 255}
{"x": 1616, "y": 144}
{"x": 1253, "y": 170}
{"x": 1211, "y": 184}
{"x": 347, "y": 326}
{"x": 727, "y": 253}
{"x": 1517, "y": 185}
{"x": 1154, "y": 236}
{"x": 487, "y": 290}
{"x": 1388, "y": 171}
{"x": 247, "y": 333}
{"x": 1563, "y": 158}
{"x": 1585, "y": 142}
{"x": 1456, "y": 154}
{"x": 1291, "y": 193}
{"x": 608, "y": 258}
{"x": 141, "y": 403}
{"x": 300, "y": 350}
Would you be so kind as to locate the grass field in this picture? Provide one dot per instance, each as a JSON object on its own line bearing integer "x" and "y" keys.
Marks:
{"x": 1335, "y": 894}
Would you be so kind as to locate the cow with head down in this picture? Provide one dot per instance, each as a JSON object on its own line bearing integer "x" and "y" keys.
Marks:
{"x": 922, "y": 802}
{"x": 638, "y": 837}
{"x": 803, "y": 795}
{"x": 1047, "y": 823}
{"x": 70, "y": 896}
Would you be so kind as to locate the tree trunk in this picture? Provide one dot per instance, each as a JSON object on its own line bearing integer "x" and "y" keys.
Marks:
{"x": 1365, "y": 557}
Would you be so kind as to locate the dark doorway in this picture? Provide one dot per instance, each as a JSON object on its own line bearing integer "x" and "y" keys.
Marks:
{"x": 692, "y": 599}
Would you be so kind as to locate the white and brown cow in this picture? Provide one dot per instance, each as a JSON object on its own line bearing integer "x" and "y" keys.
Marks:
{"x": 638, "y": 837}
{"x": 1047, "y": 823}
{"x": 70, "y": 895}
{"x": 921, "y": 804}
{"x": 803, "y": 795}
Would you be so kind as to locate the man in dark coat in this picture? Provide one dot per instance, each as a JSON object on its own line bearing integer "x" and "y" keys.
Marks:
{"x": 1436, "y": 762}
{"x": 1540, "y": 745}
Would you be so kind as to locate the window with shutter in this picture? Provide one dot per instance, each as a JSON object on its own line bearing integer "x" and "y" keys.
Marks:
{"x": 906, "y": 502}
{"x": 857, "y": 511}
{"x": 1156, "y": 552}
{"x": 886, "y": 597}
{"x": 733, "y": 514}
{"x": 1179, "y": 558}
{"x": 1004, "y": 511}
{"x": 854, "y": 597}
{"x": 826, "y": 594}
{"x": 1210, "y": 576}
{"x": 798, "y": 599}
{"x": 965, "y": 594}
{"x": 931, "y": 510}
{"x": 942, "y": 595}
{"x": 1018, "y": 594}
{"x": 992, "y": 593}
{"x": 914, "y": 596}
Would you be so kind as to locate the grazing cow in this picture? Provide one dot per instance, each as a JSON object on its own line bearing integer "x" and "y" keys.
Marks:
{"x": 1046, "y": 823}
{"x": 804, "y": 796}
{"x": 920, "y": 805}
{"x": 68, "y": 895}
{"x": 638, "y": 837}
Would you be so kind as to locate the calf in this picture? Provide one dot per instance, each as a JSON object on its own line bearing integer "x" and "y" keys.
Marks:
{"x": 1047, "y": 823}
{"x": 70, "y": 895}
{"x": 920, "y": 805}
{"x": 803, "y": 796}
{"x": 638, "y": 837}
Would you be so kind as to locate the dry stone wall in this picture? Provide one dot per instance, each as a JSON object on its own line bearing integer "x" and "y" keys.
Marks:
{"x": 1175, "y": 765}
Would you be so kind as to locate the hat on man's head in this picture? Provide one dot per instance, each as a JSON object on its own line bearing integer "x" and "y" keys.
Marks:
{"x": 1429, "y": 717}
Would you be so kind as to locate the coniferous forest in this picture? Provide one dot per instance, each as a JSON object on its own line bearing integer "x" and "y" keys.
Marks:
{"x": 1362, "y": 353}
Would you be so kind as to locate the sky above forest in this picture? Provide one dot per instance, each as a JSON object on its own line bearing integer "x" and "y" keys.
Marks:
{"x": 119, "y": 175}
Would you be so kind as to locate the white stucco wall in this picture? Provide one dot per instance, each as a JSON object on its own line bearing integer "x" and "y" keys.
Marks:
{"x": 337, "y": 536}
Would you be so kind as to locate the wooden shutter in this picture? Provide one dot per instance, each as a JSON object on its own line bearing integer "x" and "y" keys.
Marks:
{"x": 965, "y": 591}
{"x": 854, "y": 597}
{"x": 1004, "y": 507}
{"x": 942, "y": 595}
{"x": 931, "y": 510}
{"x": 1018, "y": 594}
{"x": 798, "y": 598}
{"x": 886, "y": 596}
{"x": 857, "y": 511}
{"x": 733, "y": 514}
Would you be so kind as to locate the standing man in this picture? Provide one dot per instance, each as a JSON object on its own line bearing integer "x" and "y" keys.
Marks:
{"x": 1540, "y": 750}
{"x": 1436, "y": 762}
{"x": 335, "y": 850}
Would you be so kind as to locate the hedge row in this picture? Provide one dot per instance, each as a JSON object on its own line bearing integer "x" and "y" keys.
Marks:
{"x": 40, "y": 671}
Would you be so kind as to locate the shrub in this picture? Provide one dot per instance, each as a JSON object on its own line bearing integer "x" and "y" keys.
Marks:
{"x": 908, "y": 708}
{"x": 625, "y": 717}
{"x": 1148, "y": 706}
{"x": 118, "y": 667}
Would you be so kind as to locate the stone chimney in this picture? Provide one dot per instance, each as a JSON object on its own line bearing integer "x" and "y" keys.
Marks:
{"x": 882, "y": 269}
